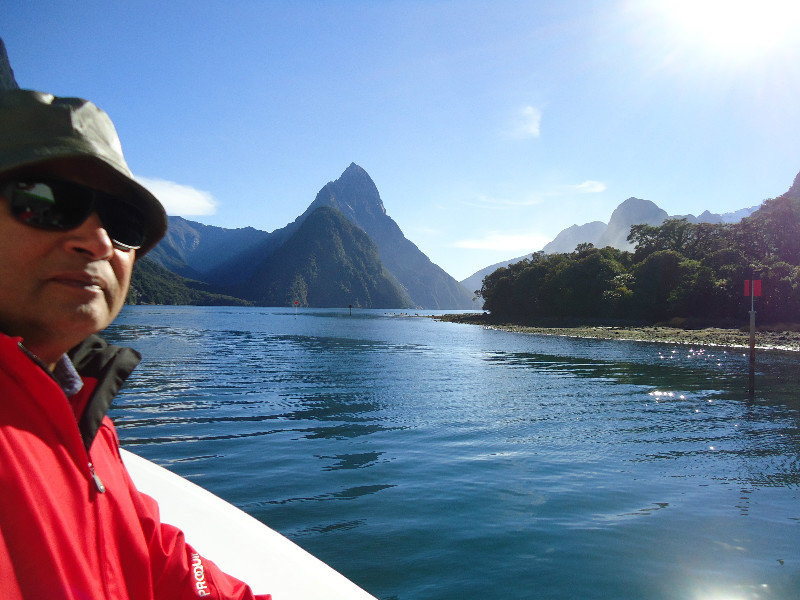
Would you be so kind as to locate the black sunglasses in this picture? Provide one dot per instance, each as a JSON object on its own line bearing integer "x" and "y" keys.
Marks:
{"x": 58, "y": 205}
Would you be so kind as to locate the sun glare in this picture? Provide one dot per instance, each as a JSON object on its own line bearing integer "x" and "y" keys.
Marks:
{"x": 734, "y": 28}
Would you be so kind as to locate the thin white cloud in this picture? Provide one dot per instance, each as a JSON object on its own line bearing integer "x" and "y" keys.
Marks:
{"x": 545, "y": 195}
{"x": 179, "y": 199}
{"x": 506, "y": 242}
{"x": 590, "y": 187}
{"x": 527, "y": 123}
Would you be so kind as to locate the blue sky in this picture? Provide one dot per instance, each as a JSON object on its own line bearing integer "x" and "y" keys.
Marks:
{"x": 488, "y": 127}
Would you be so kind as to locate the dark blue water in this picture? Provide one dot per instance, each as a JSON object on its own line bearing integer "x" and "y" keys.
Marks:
{"x": 434, "y": 460}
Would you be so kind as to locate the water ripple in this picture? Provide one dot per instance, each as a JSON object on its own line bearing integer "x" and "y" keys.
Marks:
{"x": 400, "y": 450}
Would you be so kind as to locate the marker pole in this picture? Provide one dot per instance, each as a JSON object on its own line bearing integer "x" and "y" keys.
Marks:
{"x": 752, "y": 389}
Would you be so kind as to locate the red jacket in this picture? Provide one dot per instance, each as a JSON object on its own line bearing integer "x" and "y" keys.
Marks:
{"x": 72, "y": 524}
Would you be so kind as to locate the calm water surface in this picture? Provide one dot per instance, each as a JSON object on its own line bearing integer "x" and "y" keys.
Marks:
{"x": 443, "y": 461}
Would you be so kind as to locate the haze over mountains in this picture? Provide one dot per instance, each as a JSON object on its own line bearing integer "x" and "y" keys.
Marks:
{"x": 633, "y": 211}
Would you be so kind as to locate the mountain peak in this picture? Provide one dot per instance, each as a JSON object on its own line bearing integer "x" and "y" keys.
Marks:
{"x": 634, "y": 201}
{"x": 354, "y": 194}
{"x": 631, "y": 212}
{"x": 356, "y": 180}
{"x": 354, "y": 168}
{"x": 636, "y": 208}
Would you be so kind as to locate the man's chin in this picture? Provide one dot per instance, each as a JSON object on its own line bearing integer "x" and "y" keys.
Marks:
{"x": 79, "y": 321}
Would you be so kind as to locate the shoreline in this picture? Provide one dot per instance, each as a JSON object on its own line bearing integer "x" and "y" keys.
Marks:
{"x": 788, "y": 341}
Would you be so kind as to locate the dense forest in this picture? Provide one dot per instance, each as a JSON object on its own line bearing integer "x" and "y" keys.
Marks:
{"x": 680, "y": 273}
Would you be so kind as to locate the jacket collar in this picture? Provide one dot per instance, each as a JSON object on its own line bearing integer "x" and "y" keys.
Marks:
{"x": 107, "y": 367}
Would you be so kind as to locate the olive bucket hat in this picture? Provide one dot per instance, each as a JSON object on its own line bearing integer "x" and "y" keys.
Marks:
{"x": 70, "y": 138}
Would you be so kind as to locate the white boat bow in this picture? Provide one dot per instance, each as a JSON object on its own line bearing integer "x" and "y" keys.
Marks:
{"x": 239, "y": 544}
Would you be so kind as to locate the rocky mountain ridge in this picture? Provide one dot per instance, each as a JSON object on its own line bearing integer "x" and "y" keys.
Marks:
{"x": 358, "y": 199}
{"x": 236, "y": 261}
{"x": 193, "y": 249}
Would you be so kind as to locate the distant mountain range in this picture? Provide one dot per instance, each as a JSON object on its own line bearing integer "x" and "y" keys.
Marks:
{"x": 632, "y": 211}
{"x": 199, "y": 251}
{"x": 343, "y": 250}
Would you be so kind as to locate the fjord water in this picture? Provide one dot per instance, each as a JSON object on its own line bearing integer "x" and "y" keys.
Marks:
{"x": 434, "y": 460}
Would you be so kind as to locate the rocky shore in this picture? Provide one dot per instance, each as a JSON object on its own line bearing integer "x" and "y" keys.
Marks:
{"x": 710, "y": 336}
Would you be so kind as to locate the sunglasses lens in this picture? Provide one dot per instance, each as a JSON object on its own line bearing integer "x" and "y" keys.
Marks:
{"x": 61, "y": 206}
{"x": 124, "y": 224}
{"x": 49, "y": 205}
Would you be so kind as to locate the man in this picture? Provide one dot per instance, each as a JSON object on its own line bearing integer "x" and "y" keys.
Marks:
{"x": 72, "y": 222}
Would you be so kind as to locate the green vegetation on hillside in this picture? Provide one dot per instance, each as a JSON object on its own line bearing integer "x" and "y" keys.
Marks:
{"x": 327, "y": 262}
{"x": 153, "y": 284}
{"x": 680, "y": 271}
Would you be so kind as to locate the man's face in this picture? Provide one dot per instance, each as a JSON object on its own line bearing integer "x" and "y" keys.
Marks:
{"x": 58, "y": 287}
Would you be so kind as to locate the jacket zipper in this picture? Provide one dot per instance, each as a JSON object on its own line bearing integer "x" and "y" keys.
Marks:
{"x": 97, "y": 481}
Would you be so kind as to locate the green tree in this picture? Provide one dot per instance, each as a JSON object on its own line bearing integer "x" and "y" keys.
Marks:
{"x": 655, "y": 278}
{"x": 781, "y": 293}
{"x": 584, "y": 281}
{"x": 697, "y": 293}
{"x": 672, "y": 234}
{"x": 772, "y": 232}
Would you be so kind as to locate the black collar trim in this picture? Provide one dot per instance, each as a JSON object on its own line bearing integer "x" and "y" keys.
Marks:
{"x": 111, "y": 366}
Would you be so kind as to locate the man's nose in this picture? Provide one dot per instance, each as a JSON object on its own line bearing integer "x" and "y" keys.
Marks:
{"x": 91, "y": 238}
